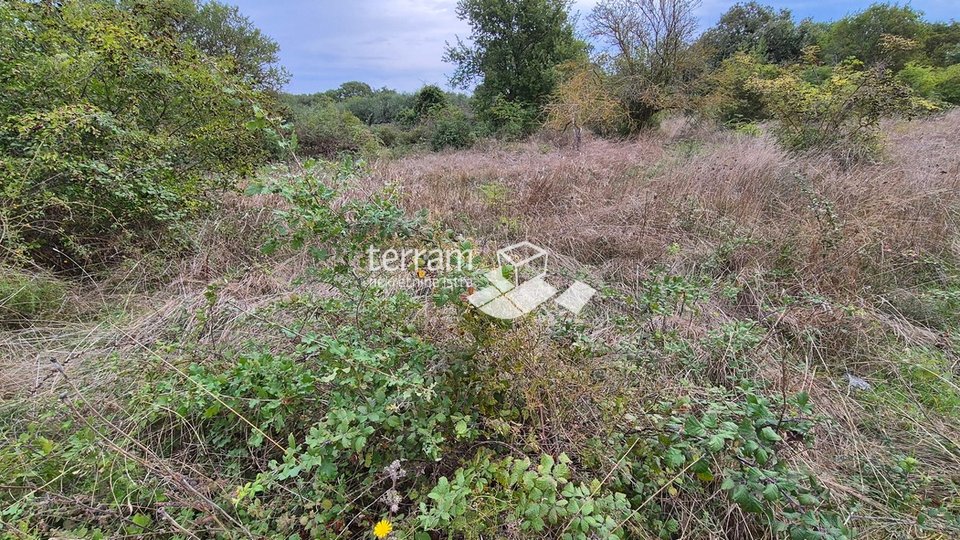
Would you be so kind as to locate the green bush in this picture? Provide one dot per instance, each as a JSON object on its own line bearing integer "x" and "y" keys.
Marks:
{"x": 508, "y": 119}
{"x": 948, "y": 87}
{"x": 936, "y": 83}
{"x": 324, "y": 129}
{"x": 112, "y": 127}
{"x": 451, "y": 129}
{"x": 842, "y": 115}
{"x": 428, "y": 99}
{"x": 389, "y": 135}
{"x": 380, "y": 107}
{"x": 731, "y": 100}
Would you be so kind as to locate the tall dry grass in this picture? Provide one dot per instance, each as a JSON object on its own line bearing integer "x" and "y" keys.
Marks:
{"x": 617, "y": 205}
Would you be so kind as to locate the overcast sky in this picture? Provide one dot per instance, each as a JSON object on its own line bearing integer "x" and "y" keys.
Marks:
{"x": 399, "y": 43}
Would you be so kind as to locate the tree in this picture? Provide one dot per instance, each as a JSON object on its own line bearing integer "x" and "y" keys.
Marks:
{"x": 515, "y": 46}
{"x": 942, "y": 44}
{"x": 862, "y": 35}
{"x": 220, "y": 30}
{"x": 755, "y": 28}
{"x": 648, "y": 51}
{"x": 350, "y": 89}
{"x": 582, "y": 99}
{"x": 429, "y": 97}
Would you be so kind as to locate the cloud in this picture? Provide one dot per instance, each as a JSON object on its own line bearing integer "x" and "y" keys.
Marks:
{"x": 395, "y": 43}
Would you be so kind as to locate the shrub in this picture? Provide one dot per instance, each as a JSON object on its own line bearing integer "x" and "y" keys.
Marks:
{"x": 731, "y": 99}
{"x": 389, "y": 135}
{"x": 451, "y": 128}
{"x": 380, "y": 107}
{"x": 327, "y": 130}
{"x": 841, "y": 115}
{"x": 509, "y": 119}
{"x": 429, "y": 97}
{"x": 111, "y": 126}
{"x": 948, "y": 87}
{"x": 933, "y": 82}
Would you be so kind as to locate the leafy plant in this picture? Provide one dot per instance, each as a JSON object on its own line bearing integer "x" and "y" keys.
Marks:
{"x": 841, "y": 115}
{"x": 114, "y": 128}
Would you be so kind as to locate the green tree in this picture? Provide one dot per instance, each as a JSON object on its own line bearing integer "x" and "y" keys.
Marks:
{"x": 514, "y": 49}
{"x": 862, "y": 35}
{"x": 350, "y": 89}
{"x": 221, "y": 30}
{"x": 427, "y": 98}
{"x": 752, "y": 27}
{"x": 942, "y": 44}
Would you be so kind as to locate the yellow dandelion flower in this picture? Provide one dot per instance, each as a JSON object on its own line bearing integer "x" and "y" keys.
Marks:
{"x": 382, "y": 529}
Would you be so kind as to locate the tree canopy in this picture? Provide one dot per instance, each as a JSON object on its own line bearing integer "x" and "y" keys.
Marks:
{"x": 513, "y": 49}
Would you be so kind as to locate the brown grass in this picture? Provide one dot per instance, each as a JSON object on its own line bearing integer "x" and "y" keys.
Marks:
{"x": 620, "y": 205}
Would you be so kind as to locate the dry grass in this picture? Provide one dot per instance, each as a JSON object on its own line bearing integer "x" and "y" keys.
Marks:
{"x": 619, "y": 205}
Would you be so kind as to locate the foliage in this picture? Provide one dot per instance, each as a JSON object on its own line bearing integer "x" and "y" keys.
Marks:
{"x": 841, "y": 115}
{"x": 583, "y": 99}
{"x": 940, "y": 84}
{"x": 861, "y": 35}
{"x": 113, "y": 128}
{"x": 541, "y": 499}
{"x": 324, "y": 129}
{"x": 754, "y": 28}
{"x": 513, "y": 50}
{"x": 942, "y": 43}
{"x": 730, "y": 98}
{"x": 221, "y": 31}
{"x": 651, "y": 59}
{"x": 383, "y": 106}
{"x": 508, "y": 120}
{"x": 427, "y": 99}
{"x": 451, "y": 128}
{"x": 744, "y": 443}
{"x": 350, "y": 89}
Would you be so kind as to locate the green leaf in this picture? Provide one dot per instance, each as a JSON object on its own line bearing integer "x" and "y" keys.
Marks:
{"x": 715, "y": 444}
{"x": 674, "y": 458}
{"x": 141, "y": 520}
{"x": 768, "y": 434}
{"x": 741, "y": 495}
{"x": 692, "y": 427}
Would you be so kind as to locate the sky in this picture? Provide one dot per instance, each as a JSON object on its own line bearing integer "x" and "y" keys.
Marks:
{"x": 399, "y": 43}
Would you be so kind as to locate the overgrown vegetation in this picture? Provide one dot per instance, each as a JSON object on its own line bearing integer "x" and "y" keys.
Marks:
{"x": 194, "y": 346}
